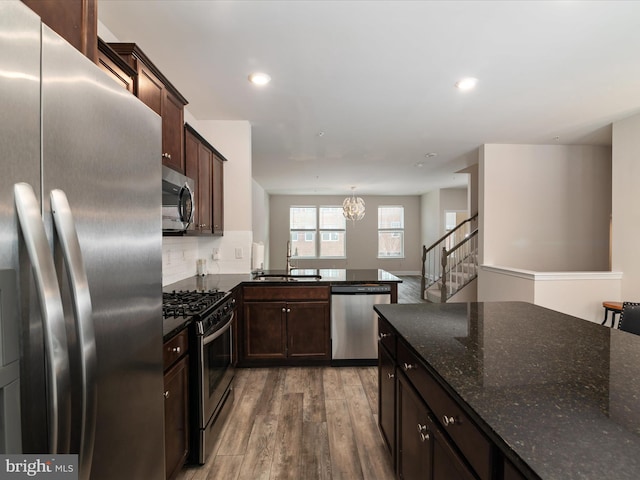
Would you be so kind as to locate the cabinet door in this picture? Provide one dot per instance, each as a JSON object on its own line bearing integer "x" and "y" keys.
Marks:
{"x": 204, "y": 188}
{"x": 308, "y": 325}
{"x": 149, "y": 88}
{"x": 172, "y": 131}
{"x": 176, "y": 416}
{"x": 387, "y": 399}
{"x": 264, "y": 330}
{"x": 414, "y": 449}
{"x": 447, "y": 462}
{"x": 198, "y": 167}
{"x": 218, "y": 196}
{"x": 191, "y": 161}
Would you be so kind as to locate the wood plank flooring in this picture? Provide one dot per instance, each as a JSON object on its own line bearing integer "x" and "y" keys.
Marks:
{"x": 409, "y": 289}
{"x": 300, "y": 423}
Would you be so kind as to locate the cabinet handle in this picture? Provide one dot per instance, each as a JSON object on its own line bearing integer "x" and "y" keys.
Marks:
{"x": 284, "y": 310}
{"x": 424, "y": 432}
{"x": 408, "y": 366}
{"x": 167, "y": 156}
{"x": 166, "y": 394}
{"x": 175, "y": 349}
{"x": 288, "y": 310}
{"x": 390, "y": 376}
{"x": 383, "y": 335}
{"x": 448, "y": 421}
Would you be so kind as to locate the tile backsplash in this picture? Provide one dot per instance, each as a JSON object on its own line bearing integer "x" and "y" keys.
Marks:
{"x": 180, "y": 255}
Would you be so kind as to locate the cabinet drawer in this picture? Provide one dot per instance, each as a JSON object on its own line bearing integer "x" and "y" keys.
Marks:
{"x": 386, "y": 336}
{"x": 471, "y": 442}
{"x": 286, "y": 293}
{"x": 175, "y": 348}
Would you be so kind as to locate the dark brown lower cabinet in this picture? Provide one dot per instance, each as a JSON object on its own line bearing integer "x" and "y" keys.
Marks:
{"x": 423, "y": 451}
{"x": 308, "y": 335}
{"x": 414, "y": 451}
{"x": 176, "y": 416}
{"x": 447, "y": 462}
{"x": 264, "y": 331}
{"x": 387, "y": 399}
{"x": 286, "y": 332}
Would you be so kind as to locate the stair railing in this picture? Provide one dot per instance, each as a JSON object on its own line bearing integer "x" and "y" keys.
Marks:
{"x": 460, "y": 266}
{"x": 432, "y": 268}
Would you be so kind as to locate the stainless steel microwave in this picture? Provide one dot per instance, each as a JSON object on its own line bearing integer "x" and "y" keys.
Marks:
{"x": 177, "y": 201}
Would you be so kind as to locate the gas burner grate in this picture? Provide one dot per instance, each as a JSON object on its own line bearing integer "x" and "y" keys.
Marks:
{"x": 187, "y": 303}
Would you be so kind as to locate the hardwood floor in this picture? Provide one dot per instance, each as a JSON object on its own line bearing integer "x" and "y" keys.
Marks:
{"x": 300, "y": 423}
{"x": 409, "y": 289}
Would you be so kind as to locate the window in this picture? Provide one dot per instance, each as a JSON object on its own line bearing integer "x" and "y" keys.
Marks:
{"x": 306, "y": 224}
{"x": 391, "y": 232}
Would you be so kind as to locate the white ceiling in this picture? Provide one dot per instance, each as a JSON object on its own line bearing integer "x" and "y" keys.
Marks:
{"x": 377, "y": 77}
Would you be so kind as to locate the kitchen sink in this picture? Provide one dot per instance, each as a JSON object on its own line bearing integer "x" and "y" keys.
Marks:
{"x": 277, "y": 277}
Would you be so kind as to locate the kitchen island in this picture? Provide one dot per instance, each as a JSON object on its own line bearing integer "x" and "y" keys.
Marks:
{"x": 541, "y": 394}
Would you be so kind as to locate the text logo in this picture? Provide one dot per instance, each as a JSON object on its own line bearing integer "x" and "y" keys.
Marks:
{"x": 50, "y": 467}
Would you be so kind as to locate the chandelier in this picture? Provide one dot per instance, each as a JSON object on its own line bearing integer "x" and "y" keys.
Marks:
{"x": 353, "y": 207}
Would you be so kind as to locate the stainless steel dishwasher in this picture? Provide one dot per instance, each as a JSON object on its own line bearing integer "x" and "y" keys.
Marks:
{"x": 354, "y": 324}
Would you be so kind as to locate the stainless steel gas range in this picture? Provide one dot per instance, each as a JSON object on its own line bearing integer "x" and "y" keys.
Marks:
{"x": 211, "y": 364}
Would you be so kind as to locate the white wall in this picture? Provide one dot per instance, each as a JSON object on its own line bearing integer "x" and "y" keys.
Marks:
{"x": 433, "y": 206}
{"x": 260, "y": 221}
{"x": 362, "y": 236}
{"x": 626, "y": 206}
{"x": 575, "y": 293}
{"x": 430, "y": 217}
{"x": 545, "y": 207}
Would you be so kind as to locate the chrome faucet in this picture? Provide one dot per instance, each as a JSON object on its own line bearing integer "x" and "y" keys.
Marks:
{"x": 289, "y": 266}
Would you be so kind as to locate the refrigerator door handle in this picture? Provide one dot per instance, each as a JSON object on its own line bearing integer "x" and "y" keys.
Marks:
{"x": 53, "y": 322}
{"x": 83, "y": 314}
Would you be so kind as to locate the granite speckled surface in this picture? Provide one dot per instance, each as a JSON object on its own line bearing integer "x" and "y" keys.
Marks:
{"x": 554, "y": 391}
{"x": 227, "y": 282}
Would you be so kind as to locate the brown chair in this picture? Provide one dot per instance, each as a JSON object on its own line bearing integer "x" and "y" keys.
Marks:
{"x": 630, "y": 318}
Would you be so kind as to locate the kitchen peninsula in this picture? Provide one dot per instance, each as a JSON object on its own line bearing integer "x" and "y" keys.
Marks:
{"x": 508, "y": 390}
{"x": 283, "y": 318}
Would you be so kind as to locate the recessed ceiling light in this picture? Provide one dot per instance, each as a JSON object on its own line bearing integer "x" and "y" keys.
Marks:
{"x": 259, "y": 78}
{"x": 419, "y": 164}
{"x": 467, "y": 83}
{"x": 430, "y": 154}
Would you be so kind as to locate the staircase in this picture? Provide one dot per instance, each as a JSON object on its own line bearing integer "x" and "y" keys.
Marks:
{"x": 451, "y": 262}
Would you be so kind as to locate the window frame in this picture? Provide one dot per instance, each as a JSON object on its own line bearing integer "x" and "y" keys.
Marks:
{"x": 318, "y": 232}
{"x": 398, "y": 230}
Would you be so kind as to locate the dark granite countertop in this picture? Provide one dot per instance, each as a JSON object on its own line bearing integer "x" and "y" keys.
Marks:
{"x": 556, "y": 392}
{"x": 173, "y": 326}
{"x": 227, "y": 282}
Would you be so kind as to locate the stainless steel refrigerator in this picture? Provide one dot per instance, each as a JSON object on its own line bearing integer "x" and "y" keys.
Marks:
{"x": 80, "y": 259}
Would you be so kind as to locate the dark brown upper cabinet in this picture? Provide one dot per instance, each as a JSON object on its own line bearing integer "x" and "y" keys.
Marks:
{"x": 155, "y": 91}
{"x": 74, "y": 20}
{"x": 205, "y": 165}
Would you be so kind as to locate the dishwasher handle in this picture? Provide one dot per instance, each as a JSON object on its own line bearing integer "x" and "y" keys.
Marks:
{"x": 360, "y": 289}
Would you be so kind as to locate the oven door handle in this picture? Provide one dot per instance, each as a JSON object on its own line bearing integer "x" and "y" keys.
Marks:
{"x": 210, "y": 338}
